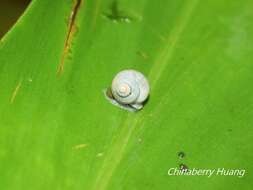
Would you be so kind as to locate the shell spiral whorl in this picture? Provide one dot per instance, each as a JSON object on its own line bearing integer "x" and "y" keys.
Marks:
{"x": 130, "y": 87}
{"x": 123, "y": 90}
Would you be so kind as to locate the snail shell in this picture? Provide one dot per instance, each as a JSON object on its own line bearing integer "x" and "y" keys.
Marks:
{"x": 130, "y": 87}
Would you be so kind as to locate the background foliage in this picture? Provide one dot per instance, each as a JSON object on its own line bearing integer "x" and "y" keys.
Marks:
{"x": 57, "y": 130}
{"x": 10, "y": 10}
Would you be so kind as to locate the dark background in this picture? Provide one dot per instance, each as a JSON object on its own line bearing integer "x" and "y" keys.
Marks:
{"x": 10, "y": 10}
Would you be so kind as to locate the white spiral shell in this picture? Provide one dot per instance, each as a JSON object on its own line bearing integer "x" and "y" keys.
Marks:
{"x": 130, "y": 87}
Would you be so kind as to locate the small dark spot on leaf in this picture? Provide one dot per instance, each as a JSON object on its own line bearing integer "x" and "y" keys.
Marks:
{"x": 183, "y": 167}
{"x": 181, "y": 154}
{"x": 142, "y": 54}
{"x": 116, "y": 15}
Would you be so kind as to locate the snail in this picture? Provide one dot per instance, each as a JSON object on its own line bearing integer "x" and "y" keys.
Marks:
{"x": 129, "y": 90}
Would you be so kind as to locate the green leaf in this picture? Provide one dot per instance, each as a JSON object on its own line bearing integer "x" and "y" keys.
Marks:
{"x": 57, "y": 129}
